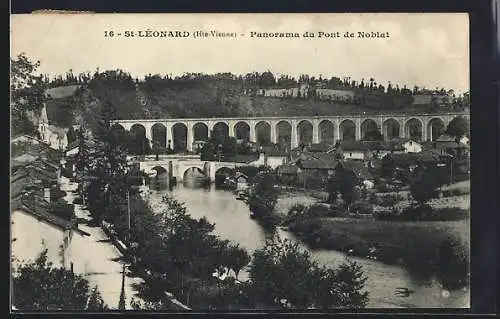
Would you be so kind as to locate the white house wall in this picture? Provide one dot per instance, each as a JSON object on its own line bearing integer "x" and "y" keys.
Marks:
{"x": 412, "y": 147}
{"x": 354, "y": 155}
{"x": 29, "y": 233}
{"x": 275, "y": 161}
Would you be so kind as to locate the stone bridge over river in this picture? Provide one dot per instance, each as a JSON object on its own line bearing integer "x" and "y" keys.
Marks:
{"x": 183, "y": 132}
{"x": 179, "y": 165}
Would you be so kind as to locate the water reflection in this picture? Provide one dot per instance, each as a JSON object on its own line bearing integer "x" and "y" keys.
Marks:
{"x": 232, "y": 221}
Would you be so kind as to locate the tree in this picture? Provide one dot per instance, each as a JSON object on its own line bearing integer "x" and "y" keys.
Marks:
{"x": 283, "y": 275}
{"x": 207, "y": 152}
{"x": 40, "y": 286}
{"x": 458, "y": 127}
{"x": 424, "y": 186}
{"x": 333, "y": 188}
{"x": 347, "y": 188}
{"x": 263, "y": 197}
{"x": 71, "y": 135}
{"x": 27, "y": 93}
{"x": 108, "y": 186}
{"x": 236, "y": 258}
{"x": 229, "y": 147}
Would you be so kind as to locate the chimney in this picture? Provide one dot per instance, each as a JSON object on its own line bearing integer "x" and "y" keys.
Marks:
{"x": 46, "y": 194}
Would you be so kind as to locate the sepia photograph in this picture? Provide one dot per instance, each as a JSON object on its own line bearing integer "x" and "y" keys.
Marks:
{"x": 239, "y": 162}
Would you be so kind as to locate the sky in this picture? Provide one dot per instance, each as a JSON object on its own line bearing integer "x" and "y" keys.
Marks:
{"x": 424, "y": 49}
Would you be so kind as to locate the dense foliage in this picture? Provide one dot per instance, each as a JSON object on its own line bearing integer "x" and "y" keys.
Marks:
{"x": 458, "y": 127}
{"x": 424, "y": 186}
{"x": 285, "y": 276}
{"x": 263, "y": 196}
{"x": 27, "y": 94}
{"x": 39, "y": 286}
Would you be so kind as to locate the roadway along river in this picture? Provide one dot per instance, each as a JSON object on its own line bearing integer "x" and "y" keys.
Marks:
{"x": 232, "y": 222}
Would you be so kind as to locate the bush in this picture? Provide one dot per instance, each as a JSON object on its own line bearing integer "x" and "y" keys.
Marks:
{"x": 390, "y": 200}
{"x": 362, "y": 207}
{"x": 452, "y": 263}
{"x": 318, "y": 211}
{"x": 386, "y": 215}
{"x": 447, "y": 214}
{"x": 300, "y": 212}
{"x": 455, "y": 192}
{"x": 337, "y": 211}
{"x": 423, "y": 213}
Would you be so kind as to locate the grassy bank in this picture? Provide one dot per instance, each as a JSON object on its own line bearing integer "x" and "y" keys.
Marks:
{"x": 425, "y": 249}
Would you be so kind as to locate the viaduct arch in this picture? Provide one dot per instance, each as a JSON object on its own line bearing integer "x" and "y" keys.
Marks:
{"x": 291, "y": 130}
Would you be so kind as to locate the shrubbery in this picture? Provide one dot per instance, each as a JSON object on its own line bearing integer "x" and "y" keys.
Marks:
{"x": 285, "y": 276}
{"x": 362, "y": 208}
{"x": 455, "y": 192}
{"x": 300, "y": 212}
{"x": 423, "y": 213}
{"x": 39, "y": 286}
{"x": 390, "y": 200}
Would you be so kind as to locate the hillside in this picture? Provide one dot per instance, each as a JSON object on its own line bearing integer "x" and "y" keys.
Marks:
{"x": 139, "y": 101}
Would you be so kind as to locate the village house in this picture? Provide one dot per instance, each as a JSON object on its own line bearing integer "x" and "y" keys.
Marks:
{"x": 274, "y": 156}
{"x": 396, "y": 146}
{"x": 54, "y": 136}
{"x": 287, "y": 174}
{"x": 445, "y": 144}
{"x": 313, "y": 170}
{"x": 336, "y": 95}
{"x": 355, "y": 170}
{"x": 241, "y": 181}
{"x": 34, "y": 187}
{"x": 401, "y": 166}
{"x": 351, "y": 149}
{"x": 429, "y": 98}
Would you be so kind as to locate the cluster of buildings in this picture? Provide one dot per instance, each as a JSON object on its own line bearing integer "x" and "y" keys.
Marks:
{"x": 41, "y": 217}
{"x": 367, "y": 98}
{"x": 312, "y": 165}
{"x": 44, "y": 216}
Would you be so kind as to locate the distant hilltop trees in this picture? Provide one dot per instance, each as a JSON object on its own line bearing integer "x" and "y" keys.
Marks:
{"x": 251, "y": 82}
{"x": 366, "y": 92}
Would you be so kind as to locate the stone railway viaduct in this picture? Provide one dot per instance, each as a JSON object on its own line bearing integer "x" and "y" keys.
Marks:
{"x": 421, "y": 127}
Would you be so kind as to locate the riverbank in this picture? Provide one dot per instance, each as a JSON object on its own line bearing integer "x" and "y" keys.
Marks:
{"x": 222, "y": 208}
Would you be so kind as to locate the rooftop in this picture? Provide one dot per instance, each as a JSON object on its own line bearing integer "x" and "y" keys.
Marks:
{"x": 40, "y": 208}
{"x": 240, "y": 158}
{"x": 358, "y": 168}
{"x": 287, "y": 169}
{"x": 317, "y": 161}
{"x": 426, "y": 156}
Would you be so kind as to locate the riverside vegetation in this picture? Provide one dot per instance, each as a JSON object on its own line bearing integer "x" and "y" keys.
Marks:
{"x": 417, "y": 236}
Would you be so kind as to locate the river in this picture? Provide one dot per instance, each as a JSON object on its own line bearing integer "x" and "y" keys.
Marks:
{"x": 232, "y": 222}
